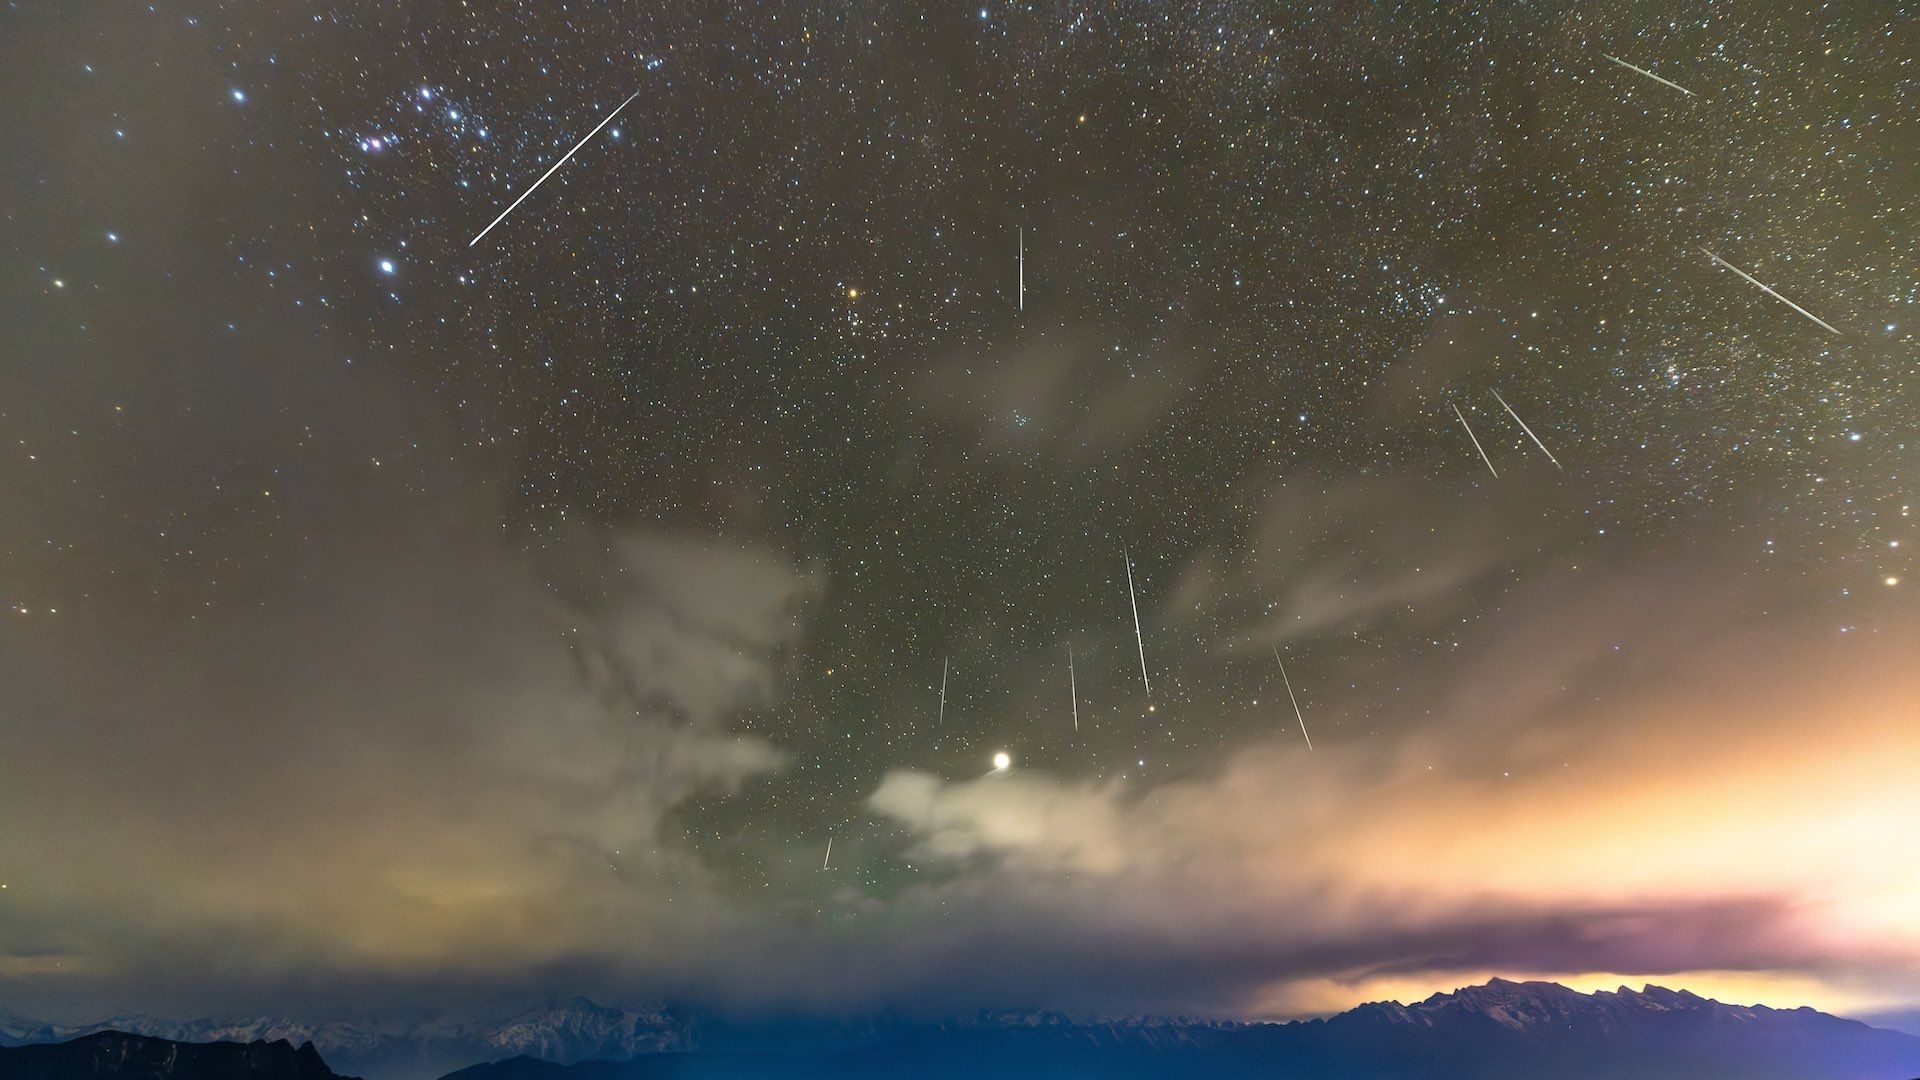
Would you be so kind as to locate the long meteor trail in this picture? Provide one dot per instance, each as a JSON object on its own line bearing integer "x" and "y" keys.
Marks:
{"x": 943, "y": 689}
{"x": 1529, "y": 431}
{"x": 828, "y": 861}
{"x": 1137, "y": 639}
{"x": 1651, "y": 75}
{"x": 1023, "y": 268}
{"x": 556, "y": 167}
{"x": 1297, "y": 714}
{"x": 1769, "y": 291}
{"x": 1073, "y": 688}
{"x": 1476, "y": 442}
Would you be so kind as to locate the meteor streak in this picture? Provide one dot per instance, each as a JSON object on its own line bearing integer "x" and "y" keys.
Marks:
{"x": 1476, "y": 443}
{"x": 1529, "y": 431}
{"x": 1297, "y": 714}
{"x": 556, "y": 166}
{"x": 1073, "y": 689}
{"x": 1023, "y": 269}
{"x": 824, "y": 863}
{"x": 943, "y": 689}
{"x": 1137, "y": 639}
{"x": 1651, "y": 75}
{"x": 1769, "y": 291}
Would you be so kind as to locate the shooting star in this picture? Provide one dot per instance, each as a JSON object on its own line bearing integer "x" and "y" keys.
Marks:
{"x": 1770, "y": 292}
{"x": 1073, "y": 689}
{"x": 1651, "y": 75}
{"x": 1023, "y": 268}
{"x": 1137, "y": 639}
{"x": 1529, "y": 431}
{"x": 1297, "y": 714}
{"x": 1476, "y": 442}
{"x": 943, "y": 689}
{"x": 556, "y": 167}
{"x": 824, "y": 863}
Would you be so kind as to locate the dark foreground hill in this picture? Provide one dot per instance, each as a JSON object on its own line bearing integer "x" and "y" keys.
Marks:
{"x": 560, "y": 1030}
{"x": 120, "y": 1056}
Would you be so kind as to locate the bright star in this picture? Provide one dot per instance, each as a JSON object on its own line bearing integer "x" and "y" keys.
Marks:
{"x": 1001, "y": 761}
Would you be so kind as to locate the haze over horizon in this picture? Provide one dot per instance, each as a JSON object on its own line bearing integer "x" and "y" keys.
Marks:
{"x": 397, "y": 623}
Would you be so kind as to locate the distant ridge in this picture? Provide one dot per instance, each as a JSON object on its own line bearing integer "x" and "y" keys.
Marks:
{"x": 116, "y": 1055}
{"x": 566, "y": 1031}
{"x": 1502, "y": 1030}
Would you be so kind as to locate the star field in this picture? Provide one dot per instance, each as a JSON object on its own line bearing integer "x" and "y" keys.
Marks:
{"x": 1268, "y": 250}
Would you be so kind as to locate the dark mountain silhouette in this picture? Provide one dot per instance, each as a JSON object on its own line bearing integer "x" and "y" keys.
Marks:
{"x": 120, "y": 1056}
{"x": 1500, "y": 1031}
{"x": 564, "y": 1031}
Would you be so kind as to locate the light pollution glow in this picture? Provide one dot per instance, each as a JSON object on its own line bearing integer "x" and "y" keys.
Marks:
{"x": 1730, "y": 816}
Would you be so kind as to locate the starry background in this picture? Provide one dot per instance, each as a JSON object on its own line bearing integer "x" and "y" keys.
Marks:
{"x": 372, "y": 594}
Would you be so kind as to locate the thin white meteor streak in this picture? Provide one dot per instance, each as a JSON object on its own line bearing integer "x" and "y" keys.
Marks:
{"x": 1476, "y": 442}
{"x": 1769, "y": 290}
{"x": 1137, "y": 639}
{"x": 824, "y": 863}
{"x": 943, "y": 689}
{"x": 1073, "y": 688}
{"x": 1023, "y": 268}
{"x": 556, "y": 167}
{"x": 1651, "y": 75}
{"x": 1297, "y": 714}
{"x": 1529, "y": 431}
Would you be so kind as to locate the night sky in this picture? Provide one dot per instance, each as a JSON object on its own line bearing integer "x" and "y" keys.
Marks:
{"x": 398, "y": 622}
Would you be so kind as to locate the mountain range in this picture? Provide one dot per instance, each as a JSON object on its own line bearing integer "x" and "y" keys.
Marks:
{"x": 120, "y": 1056}
{"x": 1499, "y": 1030}
{"x": 561, "y": 1030}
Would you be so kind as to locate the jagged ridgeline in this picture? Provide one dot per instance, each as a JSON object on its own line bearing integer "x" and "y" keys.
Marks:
{"x": 140, "y": 1057}
{"x": 1500, "y": 1030}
